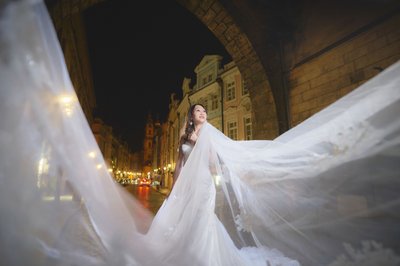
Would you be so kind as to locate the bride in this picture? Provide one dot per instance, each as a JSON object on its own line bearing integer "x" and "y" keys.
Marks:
{"x": 189, "y": 211}
{"x": 324, "y": 193}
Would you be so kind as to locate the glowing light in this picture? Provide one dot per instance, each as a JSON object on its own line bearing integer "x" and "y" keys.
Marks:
{"x": 43, "y": 169}
{"x": 98, "y": 166}
{"x": 92, "y": 154}
{"x": 217, "y": 180}
{"x": 66, "y": 99}
{"x": 48, "y": 198}
{"x": 66, "y": 197}
{"x": 67, "y": 102}
{"x": 109, "y": 170}
{"x": 43, "y": 166}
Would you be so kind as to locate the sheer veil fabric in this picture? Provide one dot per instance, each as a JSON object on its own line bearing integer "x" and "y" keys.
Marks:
{"x": 324, "y": 193}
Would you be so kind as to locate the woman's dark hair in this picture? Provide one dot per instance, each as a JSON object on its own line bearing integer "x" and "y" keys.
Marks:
{"x": 189, "y": 127}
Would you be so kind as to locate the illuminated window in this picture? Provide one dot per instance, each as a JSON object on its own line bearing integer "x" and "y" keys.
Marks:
{"x": 232, "y": 130}
{"x": 204, "y": 102}
{"x": 214, "y": 102}
{"x": 245, "y": 90}
{"x": 230, "y": 91}
{"x": 248, "y": 133}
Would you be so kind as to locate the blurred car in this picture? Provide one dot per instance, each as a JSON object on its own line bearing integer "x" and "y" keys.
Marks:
{"x": 144, "y": 182}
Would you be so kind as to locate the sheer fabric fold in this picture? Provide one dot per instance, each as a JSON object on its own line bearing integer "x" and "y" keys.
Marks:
{"x": 324, "y": 193}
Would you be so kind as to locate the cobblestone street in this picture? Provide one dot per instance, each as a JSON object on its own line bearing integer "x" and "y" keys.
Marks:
{"x": 150, "y": 198}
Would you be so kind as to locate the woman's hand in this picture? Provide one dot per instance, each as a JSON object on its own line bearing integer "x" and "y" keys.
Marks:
{"x": 193, "y": 137}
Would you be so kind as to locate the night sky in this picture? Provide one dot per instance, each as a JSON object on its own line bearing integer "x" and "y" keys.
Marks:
{"x": 140, "y": 51}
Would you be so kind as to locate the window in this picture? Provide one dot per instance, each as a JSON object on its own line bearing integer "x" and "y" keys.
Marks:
{"x": 232, "y": 130}
{"x": 209, "y": 78}
{"x": 204, "y": 81}
{"x": 230, "y": 91}
{"x": 245, "y": 90}
{"x": 248, "y": 133}
{"x": 214, "y": 102}
{"x": 205, "y": 104}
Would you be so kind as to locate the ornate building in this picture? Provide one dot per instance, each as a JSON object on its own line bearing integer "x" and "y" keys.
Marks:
{"x": 223, "y": 93}
{"x": 208, "y": 90}
{"x": 236, "y": 108}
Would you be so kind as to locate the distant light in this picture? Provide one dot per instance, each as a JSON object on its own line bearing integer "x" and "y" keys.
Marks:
{"x": 66, "y": 99}
{"x": 217, "y": 180}
{"x": 92, "y": 154}
{"x": 98, "y": 166}
{"x": 48, "y": 198}
{"x": 67, "y": 102}
{"x": 66, "y": 197}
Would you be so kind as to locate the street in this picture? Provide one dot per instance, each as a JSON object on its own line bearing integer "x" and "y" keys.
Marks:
{"x": 147, "y": 196}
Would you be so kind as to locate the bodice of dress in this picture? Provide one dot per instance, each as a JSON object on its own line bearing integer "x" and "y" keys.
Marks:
{"x": 187, "y": 148}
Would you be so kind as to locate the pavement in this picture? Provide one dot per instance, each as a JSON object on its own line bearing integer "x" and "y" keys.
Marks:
{"x": 164, "y": 191}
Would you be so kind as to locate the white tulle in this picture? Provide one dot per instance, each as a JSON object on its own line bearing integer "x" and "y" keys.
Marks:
{"x": 324, "y": 193}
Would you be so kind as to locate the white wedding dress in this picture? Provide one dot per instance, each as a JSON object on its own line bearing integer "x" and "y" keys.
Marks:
{"x": 324, "y": 193}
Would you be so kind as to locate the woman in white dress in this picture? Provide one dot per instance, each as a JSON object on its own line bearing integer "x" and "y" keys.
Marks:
{"x": 323, "y": 193}
{"x": 197, "y": 116}
{"x": 187, "y": 220}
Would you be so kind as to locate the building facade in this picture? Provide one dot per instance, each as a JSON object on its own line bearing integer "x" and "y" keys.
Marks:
{"x": 148, "y": 146}
{"x": 222, "y": 92}
{"x": 121, "y": 162}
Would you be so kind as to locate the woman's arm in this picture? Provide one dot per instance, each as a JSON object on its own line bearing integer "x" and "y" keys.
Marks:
{"x": 178, "y": 167}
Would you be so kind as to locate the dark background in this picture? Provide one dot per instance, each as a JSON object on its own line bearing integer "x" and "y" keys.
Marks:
{"x": 140, "y": 51}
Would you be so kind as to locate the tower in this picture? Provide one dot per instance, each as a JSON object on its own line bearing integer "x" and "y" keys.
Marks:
{"x": 148, "y": 145}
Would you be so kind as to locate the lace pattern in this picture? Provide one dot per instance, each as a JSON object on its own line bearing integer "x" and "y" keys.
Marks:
{"x": 371, "y": 254}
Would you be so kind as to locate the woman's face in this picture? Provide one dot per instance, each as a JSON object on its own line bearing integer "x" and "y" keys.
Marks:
{"x": 199, "y": 115}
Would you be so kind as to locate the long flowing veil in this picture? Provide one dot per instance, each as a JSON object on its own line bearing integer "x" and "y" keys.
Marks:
{"x": 58, "y": 203}
{"x": 324, "y": 193}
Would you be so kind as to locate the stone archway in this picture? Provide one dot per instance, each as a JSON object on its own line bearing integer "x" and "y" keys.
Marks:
{"x": 222, "y": 25}
{"x": 295, "y": 56}
{"x": 212, "y": 14}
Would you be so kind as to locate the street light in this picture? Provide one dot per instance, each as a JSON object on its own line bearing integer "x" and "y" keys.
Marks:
{"x": 67, "y": 102}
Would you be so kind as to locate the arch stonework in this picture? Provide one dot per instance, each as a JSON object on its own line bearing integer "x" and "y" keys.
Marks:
{"x": 295, "y": 56}
{"x": 218, "y": 20}
{"x": 66, "y": 14}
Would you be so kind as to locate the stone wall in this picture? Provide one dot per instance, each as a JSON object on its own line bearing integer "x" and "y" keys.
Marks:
{"x": 331, "y": 75}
